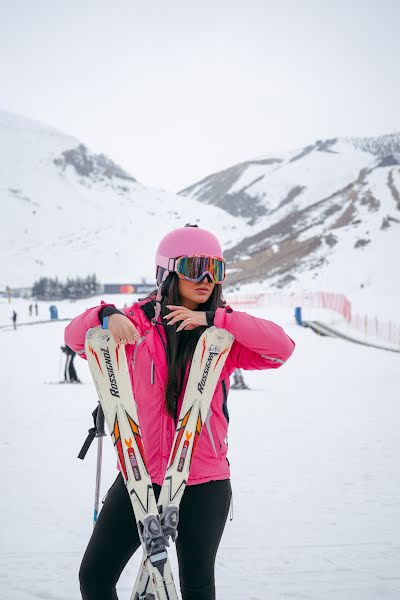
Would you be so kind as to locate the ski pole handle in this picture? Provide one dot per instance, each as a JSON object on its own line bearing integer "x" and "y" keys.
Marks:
{"x": 100, "y": 422}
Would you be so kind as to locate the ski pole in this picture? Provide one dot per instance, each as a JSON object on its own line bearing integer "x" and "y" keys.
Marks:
{"x": 100, "y": 433}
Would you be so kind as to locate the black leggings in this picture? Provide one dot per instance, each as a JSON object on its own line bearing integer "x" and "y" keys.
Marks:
{"x": 202, "y": 516}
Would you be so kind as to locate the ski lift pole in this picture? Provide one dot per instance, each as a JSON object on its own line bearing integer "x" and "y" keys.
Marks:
{"x": 100, "y": 433}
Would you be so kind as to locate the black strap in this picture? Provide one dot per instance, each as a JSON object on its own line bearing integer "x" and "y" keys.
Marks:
{"x": 96, "y": 431}
{"x": 148, "y": 309}
{"x": 225, "y": 400}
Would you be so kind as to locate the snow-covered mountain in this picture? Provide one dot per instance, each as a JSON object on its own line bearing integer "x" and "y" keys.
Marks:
{"x": 325, "y": 215}
{"x": 67, "y": 211}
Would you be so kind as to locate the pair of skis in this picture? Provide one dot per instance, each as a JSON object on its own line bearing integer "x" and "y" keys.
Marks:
{"x": 156, "y": 523}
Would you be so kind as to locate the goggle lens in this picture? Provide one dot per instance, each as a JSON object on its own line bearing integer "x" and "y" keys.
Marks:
{"x": 195, "y": 268}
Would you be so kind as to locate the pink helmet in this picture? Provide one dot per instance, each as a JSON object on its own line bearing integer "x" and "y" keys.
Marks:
{"x": 186, "y": 241}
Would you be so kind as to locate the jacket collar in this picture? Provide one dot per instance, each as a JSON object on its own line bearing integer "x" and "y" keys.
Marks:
{"x": 149, "y": 309}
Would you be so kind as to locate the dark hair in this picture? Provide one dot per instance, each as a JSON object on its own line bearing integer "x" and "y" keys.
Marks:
{"x": 180, "y": 346}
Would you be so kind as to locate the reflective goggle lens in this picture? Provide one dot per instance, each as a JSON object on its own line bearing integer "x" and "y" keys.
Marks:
{"x": 194, "y": 268}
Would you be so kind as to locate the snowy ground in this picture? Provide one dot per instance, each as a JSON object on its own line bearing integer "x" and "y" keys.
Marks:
{"x": 314, "y": 451}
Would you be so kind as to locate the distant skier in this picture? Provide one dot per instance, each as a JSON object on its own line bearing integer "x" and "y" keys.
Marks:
{"x": 168, "y": 324}
{"x": 36, "y": 309}
{"x": 14, "y": 319}
{"x": 238, "y": 381}
{"x": 70, "y": 375}
{"x": 30, "y": 310}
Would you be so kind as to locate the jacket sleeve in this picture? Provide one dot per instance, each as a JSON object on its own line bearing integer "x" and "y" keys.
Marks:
{"x": 75, "y": 332}
{"x": 259, "y": 344}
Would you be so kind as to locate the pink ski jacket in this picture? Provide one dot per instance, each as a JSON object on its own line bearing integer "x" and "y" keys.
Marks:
{"x": 259, "y": 344}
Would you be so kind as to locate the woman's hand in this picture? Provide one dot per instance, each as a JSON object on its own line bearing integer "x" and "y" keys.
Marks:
{"x": 122, "y": 329}
{"x": 190, "y": 319}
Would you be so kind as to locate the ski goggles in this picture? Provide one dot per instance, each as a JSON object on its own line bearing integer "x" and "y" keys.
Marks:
{"x": 195, "y": 268}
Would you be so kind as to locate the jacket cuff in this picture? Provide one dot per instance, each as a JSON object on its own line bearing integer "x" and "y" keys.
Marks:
{"x": 108, "y": 310}
{"x": 220, "y": 316}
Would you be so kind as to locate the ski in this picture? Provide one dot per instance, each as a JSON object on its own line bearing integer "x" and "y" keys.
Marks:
{"x": 156, "y": 524}
{"x": 208, "y": 360}
{"x": 109, "y": 368}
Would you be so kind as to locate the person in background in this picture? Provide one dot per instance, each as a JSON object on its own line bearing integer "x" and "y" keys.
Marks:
{"x": 14, "y": 319}
{"x": 36, "y": 309}
{"x": 30, "y": 310}
{"x": 238, "y": 381}
{"x": 70, "y": 375}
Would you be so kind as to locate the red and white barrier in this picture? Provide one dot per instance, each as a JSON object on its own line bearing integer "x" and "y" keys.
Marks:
{"x": 369, "y": 326}
{"x": 336, "y": 302}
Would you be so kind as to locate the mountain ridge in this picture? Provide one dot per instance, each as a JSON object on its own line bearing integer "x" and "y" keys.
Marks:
{"x": 305, "y": 205}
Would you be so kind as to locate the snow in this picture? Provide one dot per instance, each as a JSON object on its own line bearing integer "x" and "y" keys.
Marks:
{"x": 321, "y": 173}
{"x": 314, "y": 452}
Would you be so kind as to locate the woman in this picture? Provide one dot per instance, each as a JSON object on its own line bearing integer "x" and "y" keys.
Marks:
{"x": 160, "y": 334}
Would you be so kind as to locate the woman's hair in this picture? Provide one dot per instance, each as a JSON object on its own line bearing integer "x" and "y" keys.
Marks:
{"x": 180, "y": 346}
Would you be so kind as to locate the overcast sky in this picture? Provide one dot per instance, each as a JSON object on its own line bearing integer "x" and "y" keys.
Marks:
{"x": 176, "y": 89}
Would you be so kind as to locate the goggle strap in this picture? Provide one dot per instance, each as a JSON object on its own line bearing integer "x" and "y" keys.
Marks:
{"x": 166, "y": 263}
{"x": 157, "y": 309}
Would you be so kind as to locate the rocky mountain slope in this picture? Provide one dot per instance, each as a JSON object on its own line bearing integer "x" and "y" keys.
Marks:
{"x": 325, "y": 215}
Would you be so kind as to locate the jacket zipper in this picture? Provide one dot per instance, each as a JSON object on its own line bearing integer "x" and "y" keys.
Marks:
{"x": 140, "y": 340}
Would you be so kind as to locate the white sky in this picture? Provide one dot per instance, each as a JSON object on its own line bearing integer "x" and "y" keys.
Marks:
{"x": 176, "y": 89}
